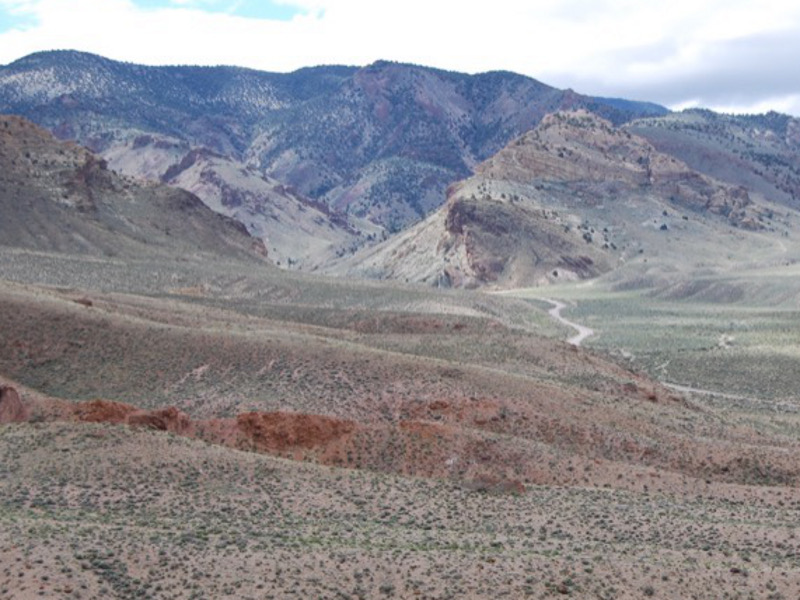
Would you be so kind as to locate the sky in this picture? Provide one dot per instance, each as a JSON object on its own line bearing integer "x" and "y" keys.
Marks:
{"x": 728, "y": 55}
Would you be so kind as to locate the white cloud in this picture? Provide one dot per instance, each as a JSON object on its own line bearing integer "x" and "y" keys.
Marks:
{"x": 673, "y": 53}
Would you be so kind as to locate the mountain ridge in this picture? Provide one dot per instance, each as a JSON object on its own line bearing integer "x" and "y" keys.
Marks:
{"x": 379, "y": 142}
{"x": 326, "y": 160}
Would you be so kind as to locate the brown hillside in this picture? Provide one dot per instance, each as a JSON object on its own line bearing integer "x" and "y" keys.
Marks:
{"x": 58, "y": 197}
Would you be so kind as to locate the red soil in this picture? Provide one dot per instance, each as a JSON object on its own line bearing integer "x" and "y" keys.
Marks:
{"x": 102, "y": 411}
{"x": 489, "y": 444}
{"x": 277, "y": 432}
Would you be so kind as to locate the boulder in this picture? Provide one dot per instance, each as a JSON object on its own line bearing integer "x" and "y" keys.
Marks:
{"x": 12, "y": 410}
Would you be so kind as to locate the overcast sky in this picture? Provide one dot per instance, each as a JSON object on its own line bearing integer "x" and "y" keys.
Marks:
{"x": 729, "y": 55}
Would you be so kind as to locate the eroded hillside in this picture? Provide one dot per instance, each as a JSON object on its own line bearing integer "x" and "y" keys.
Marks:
{"x": 574, "y": 198}
{"x": 58, "y": 197}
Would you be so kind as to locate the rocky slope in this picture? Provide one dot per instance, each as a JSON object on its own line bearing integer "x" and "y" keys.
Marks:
{"x": 380, "y": 142}
{"x": 758, "y": 152}
{"x": 571, "y": 199}
{"x": 298, "y": 232}
{"x": 58, "y": 197}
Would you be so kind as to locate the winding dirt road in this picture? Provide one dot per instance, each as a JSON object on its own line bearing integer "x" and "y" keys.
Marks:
{"x": 583, "y": 331}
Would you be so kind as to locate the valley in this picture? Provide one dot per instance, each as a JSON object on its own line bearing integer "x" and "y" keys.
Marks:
{"x": 477, "y": 453}
{"x": 398, "y": 332}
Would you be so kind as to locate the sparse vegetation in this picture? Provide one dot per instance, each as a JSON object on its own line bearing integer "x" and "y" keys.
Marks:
{"x": 178, "y": 419}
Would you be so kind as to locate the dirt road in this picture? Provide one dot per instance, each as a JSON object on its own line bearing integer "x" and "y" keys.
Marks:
{"x": 583, "y": 331}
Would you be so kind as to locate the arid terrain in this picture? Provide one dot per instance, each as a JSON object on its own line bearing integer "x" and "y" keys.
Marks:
{"x": 260, "y": 434}
{"x": 180, "y": 418}
{"x": 442, "y": 450}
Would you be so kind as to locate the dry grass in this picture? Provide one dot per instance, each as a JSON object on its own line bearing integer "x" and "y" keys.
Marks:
{"x": 629, "y": 489}
{"x": 95, "y": 511}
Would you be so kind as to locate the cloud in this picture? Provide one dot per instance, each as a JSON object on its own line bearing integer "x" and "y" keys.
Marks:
{"x": 749, "y": 74}
{"x": 732, "y": 53}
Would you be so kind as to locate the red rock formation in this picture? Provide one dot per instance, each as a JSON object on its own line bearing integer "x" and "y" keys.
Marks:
{"x": 166, "y": 419}
{"x": 12, "y": 410}
{"x": 279, "y": 431}
{"x": 102, "y": 411}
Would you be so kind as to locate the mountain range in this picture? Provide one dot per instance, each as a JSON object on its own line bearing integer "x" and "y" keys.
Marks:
{"x": 402, "y": 171}
{"x": 376, "y": 145}
{"x": 179, "y": 418}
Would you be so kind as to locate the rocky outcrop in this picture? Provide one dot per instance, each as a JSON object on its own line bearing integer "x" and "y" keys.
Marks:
{"x": 499, "y": 237}
{"x": 475, "y": 442}
{"x": 102, "y": 411}
{"x": 119, "y": 413}
{"x": 12, "y": 410}
{"x": 165, "y": 419}
{"x": 280, "y": 431}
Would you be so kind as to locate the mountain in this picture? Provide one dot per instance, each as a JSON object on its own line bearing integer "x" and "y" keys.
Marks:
{"x": 298, "y": 231}
{"x": 758, "y": 152}
{"x": 571, "y": 199}
{"x": 381, "y": 142}
{"x": 59, "y": 197}
{"x": 178, "y": 419}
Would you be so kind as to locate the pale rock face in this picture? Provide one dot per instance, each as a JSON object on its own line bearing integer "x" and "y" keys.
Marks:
{"x": 298, "y": 232}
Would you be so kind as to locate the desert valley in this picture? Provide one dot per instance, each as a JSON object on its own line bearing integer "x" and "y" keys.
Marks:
{"x": 312, "y": 335}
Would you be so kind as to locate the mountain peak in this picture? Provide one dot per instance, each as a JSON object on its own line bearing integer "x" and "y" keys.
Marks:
{"x": 61, "y": 57}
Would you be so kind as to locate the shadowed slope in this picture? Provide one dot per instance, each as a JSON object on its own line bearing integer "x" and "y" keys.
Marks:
{"x": 58, "y": 197}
